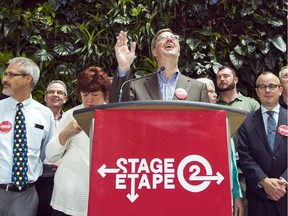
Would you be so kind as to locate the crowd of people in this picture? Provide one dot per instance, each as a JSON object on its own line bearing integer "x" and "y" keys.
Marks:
{"x": 55, "y": 178}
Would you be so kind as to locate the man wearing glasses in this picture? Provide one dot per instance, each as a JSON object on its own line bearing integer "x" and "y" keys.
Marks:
{"x": 166, "y": 84}
{"x": 262, "y": 148}
{"x": 55, "y": 98}
{"x": 26, "y": 128}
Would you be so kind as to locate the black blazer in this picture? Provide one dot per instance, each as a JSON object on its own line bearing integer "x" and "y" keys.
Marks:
{"x": 257, "y": 161}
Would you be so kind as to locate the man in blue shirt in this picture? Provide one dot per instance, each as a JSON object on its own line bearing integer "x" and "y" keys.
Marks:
{"x": 167, "y": 84}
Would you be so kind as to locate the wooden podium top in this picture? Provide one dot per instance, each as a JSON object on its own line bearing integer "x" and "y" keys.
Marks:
{"x": 235, "y": 116}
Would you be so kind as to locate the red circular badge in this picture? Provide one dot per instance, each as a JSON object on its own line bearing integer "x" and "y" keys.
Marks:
{"x": 181, "y": 93}
{"x": 283, "y": 130}
{"x": 5, "y": 126}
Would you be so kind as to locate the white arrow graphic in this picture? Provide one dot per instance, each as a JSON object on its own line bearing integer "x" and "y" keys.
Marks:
{"x": 102, "y": 170}
{"x": 132, "y": 196}
{"x": 218, "y": 177}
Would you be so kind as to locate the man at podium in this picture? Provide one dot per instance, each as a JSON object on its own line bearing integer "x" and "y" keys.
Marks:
{"x": 166, "y": 84}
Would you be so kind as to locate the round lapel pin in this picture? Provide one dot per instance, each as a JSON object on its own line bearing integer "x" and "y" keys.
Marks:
{"x": 283, "y": 130}
{"x": 5, "y": 126}
{"x": 181, "y": 93}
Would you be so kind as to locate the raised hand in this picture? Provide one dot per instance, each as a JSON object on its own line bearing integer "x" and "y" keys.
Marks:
{"x": 124, "y": 56}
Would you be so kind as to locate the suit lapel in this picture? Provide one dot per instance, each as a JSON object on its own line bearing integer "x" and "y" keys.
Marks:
{"x": 260, "y": 128}
{"x": 281, "y": 121}
{"x": 183, "y": 82}
{"x": 152, "y": 87}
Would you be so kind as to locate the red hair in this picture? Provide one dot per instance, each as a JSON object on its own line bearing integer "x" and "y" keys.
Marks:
{"x": 93, "y": 79}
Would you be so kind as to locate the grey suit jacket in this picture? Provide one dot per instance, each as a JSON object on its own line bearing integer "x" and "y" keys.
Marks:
{"x": 257, "y": 161}
{"x": 147, "y": 88}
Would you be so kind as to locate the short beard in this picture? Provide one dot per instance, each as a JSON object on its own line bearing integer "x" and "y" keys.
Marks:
{"x": 6, "y": 92}
{"x": 228, "y": 88}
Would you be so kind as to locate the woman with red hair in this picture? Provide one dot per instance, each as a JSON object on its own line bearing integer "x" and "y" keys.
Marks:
{"x": 72, "y": 145}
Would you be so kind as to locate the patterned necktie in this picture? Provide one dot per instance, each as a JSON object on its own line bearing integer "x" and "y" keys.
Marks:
{"x": 20, "y": 151}
{"x": 271, "y": 129}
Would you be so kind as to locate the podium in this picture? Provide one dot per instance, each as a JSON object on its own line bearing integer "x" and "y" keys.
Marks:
{"x": 160, "y": 157}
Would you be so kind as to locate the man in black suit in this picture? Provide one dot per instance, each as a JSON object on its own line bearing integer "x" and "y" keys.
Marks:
{"x": 264, "y": 163}
{"x": 167, "y": 84}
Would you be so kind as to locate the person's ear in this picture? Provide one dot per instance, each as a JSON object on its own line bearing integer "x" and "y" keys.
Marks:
{"x": 154, "y": 53}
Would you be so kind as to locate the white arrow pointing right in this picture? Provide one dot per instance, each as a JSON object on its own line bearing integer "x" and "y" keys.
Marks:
{"x": 218, "y": 177}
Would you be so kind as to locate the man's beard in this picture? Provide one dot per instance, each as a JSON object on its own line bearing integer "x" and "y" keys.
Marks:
{"x": 228, "y": 88}
{"x": 6, "y": 92}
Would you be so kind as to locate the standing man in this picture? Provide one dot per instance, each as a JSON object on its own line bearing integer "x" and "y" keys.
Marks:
{"x": 26, "y": 127}
{"x": 263, "y": 151}
{"x": 55, "y": 98}
{"x": 167, "y": 84}
{"x": 283, "y": 76}
{"x": 226, "y": 81}
{"x": 238, "y": 209}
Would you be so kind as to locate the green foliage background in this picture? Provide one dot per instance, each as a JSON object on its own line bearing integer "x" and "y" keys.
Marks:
{"x": 63, "y": 36}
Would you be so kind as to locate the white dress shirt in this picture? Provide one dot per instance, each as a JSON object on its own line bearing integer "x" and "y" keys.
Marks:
{"x": 39, "y": 125}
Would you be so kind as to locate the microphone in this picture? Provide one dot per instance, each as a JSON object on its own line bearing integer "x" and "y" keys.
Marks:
{"x": 131, "y": 80}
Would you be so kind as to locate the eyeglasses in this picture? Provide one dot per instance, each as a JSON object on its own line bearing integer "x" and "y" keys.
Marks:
{"x": 11, "y": 74}
{"x": 58, "y": 92}
{"x": 166, "y": 37}
{"x": 264, "y": 87}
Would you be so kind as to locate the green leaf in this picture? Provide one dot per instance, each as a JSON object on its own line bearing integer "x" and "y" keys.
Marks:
{"x": 66, "y": 69}
{"x": 9, "y": 28}
{"x": 278, "y": 42}
{"x": 236, "y": 59}
{"x": 240, "y": 50}
{"x": 37, "y": 39}
{"x": 275, "y": 22}
{"x": 122, "y": 20}
{"x": 256, "y": 63}
{"x": 64, "y": 49}
{"x": 66, "y": 28}
{"x": 193, "y": 43}
{"x": 270, "y": 60}
{"x": 264, "y": 47}
{"x": 42, "y": 55}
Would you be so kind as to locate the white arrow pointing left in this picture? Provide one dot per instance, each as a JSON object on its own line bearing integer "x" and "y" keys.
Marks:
{"x": 103, "y": 171}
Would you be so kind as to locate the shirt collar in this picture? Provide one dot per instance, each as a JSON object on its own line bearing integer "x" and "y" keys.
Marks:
{"x": 162, "y": 76}
{"x": 276, "y": 109}
{"x": 13, "y": 103}
{"x": 238, "y": 97}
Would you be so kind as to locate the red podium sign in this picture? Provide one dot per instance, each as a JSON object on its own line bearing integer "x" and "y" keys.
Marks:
{"x": 160, "y": 162}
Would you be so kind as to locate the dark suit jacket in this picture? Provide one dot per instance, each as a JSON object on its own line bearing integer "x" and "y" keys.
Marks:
{"x": 257, "y": 162}
{"x": 147, "y": 88}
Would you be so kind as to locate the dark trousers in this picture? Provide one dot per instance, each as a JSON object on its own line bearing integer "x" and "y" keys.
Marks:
{"x": 44, "y": 187}
{"x": 58, "y": 213}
